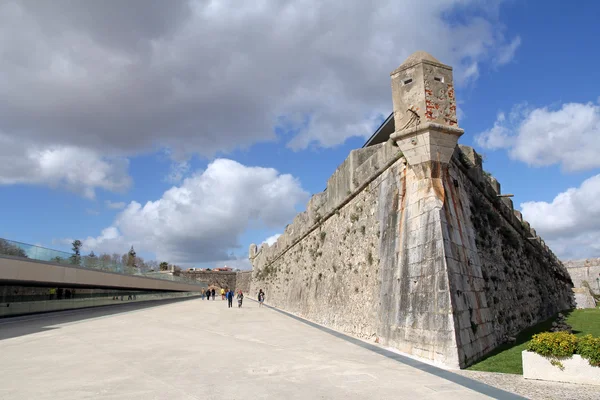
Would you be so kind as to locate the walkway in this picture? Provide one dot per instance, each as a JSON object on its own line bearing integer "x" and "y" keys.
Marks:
{"x": 199, "y": 349}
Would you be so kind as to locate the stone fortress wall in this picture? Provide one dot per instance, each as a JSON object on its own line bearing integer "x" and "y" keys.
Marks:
{"x": 410, "y": 245}
{"x": 222, "y": 279}
{"x": 584, "y": 270}
{"x": 586, "y": 279}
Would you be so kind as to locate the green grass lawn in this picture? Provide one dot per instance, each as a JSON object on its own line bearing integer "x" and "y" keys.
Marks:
{"x": 507, "y": 358}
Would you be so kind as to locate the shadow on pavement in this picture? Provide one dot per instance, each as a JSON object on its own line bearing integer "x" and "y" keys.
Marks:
{"x": 11, "y": 327}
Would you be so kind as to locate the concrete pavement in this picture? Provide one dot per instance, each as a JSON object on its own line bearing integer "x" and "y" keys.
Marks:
{"x": 199, "y": 349}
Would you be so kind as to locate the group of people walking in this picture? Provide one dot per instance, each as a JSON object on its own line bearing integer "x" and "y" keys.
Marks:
{"x": 229, "y": 295}
{"x": 209, "y": 293}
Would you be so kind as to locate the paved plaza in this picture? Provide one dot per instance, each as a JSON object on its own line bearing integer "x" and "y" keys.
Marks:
{"x": 199, "y": 349}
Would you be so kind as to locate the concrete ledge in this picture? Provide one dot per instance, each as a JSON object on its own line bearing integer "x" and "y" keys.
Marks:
{"x": 37, "y": 307}
{"x": 576, "y": 369}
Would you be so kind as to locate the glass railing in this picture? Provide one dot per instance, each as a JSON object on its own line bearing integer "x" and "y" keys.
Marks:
{"x": 103, "y": 263}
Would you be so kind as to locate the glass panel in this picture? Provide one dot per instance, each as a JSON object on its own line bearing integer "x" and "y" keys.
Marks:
{"x": 24, "y": 250}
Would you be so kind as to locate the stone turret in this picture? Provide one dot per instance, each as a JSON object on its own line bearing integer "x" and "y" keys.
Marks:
{"x": 424, "y": 109}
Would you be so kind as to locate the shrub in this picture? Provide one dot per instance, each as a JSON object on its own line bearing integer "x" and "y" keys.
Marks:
{"x": 588, "y": 347}
{"x": 553, "y": 344}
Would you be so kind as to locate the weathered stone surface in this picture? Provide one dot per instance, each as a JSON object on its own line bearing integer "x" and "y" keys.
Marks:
{"x": 223, "y": 279}
{"x": 243, "y": 280}
{"x": 522, "y": 283}
{"x": 422, "y": 91}
{"x": 417, "y": 253}
{"x": 585, "y": 271}
{"x": 332, "y": 275}
{"x": 584, "y": 298}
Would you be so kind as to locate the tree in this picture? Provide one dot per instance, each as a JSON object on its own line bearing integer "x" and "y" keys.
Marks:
{"x": 131, "y": 258}
{"x": 151, "y": 265}
{"x": 91, "y": 260}
{"x": 10, "y": 249}
{"x": 105, "y": 261}
{"x": 176, "y": 270}
{"x": 164, "y": 266}
{"x": 141, "y": 264}
{"x": 76, "y": 257}
{"x": 115, "y": 259}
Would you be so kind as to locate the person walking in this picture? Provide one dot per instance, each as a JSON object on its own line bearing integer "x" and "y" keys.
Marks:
{"x": 222, "y": 294}
{"x": 240, "y": 298}
{"x": 213, "y": 293}
{"x": 207, "y": 294}
{"x": 230, "y": 298}
{"x": 261, "y": 298}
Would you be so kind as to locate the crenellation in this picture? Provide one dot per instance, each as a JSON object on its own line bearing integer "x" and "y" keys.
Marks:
{"x": 507, "y": 201}
{"x": 495, "y": 185}
{"x": 518, "y": 215}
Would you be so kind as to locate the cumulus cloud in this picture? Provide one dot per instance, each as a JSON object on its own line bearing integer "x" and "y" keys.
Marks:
{"x": 570, "y": 224}
{"x": 78, "y": 169}
{"x": 569, "y": 135}
{"x": 272, "y": 239}
{"x": 201, "y": 220}
{"x": 203, "y": 77}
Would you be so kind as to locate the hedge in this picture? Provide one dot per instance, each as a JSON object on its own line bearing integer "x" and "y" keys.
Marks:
{"x": 560, "y": 345}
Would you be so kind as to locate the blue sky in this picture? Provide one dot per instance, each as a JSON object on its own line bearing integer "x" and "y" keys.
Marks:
{"x": 78, "y": 133}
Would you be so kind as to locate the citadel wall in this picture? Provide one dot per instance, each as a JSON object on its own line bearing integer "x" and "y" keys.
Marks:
{"x": 585, "y": 270}
{"x": 222, "y": 279}
{"x": 411, "y": 246}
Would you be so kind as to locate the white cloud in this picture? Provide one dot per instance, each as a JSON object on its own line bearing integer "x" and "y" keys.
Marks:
{"x": 178, "y": 171}
{"x": 201, "y": 220}
{"x": 78, "y": 169}
{"x": 569, "y": 135}
{"x": 507, "y": 52}
{"x": 139, "y": 75}
{"x": 570, "y": 224}
{"x": 272, "y": 239}
{"x": 115, "y": 205}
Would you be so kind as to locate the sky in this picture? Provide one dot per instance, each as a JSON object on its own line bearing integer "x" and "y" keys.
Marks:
{"x": 191, "y": 129}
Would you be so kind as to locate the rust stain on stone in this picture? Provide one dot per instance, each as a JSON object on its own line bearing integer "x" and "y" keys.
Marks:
{"x": 437, "y": 181}
{"x": 402, "y": 207}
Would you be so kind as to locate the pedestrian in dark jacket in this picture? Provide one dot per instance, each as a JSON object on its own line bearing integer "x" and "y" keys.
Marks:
{"x": 213, "y": 293}
{"x": 230, "y": 299}
{"x": 261, "y": 298}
